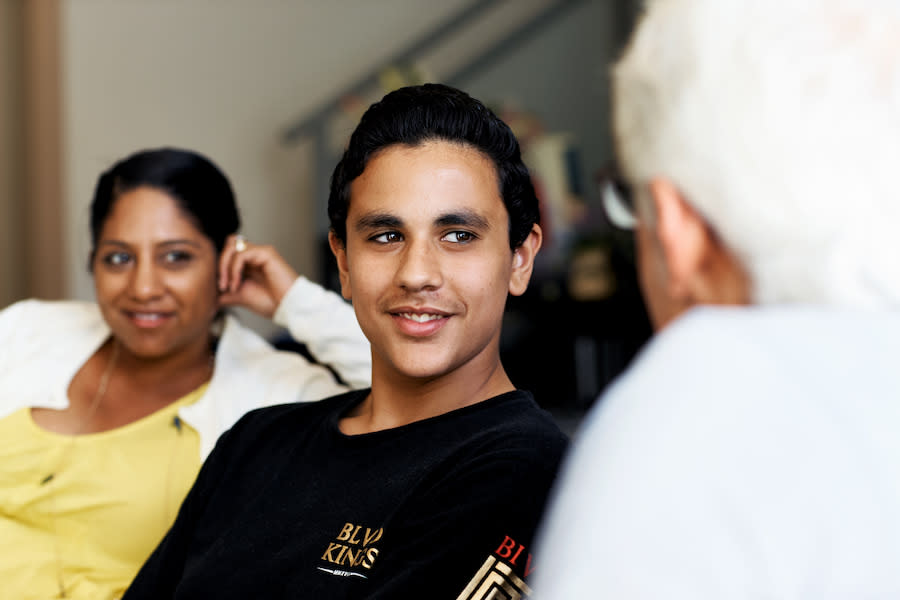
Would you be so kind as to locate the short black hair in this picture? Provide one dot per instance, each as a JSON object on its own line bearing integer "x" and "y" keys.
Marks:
{"x": 411, "y": 116}
{"x": 197, "y": 185}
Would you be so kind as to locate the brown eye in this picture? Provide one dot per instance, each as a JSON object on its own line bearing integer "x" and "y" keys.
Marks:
{"x": 459, "y": 237}
{"x": 117, "y": 259}
{"x": 387, "y": 237}
{"x": 177, "y": 256}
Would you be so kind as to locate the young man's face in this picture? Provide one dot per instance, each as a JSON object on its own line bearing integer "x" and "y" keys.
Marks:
{"x": 427, "y": 261}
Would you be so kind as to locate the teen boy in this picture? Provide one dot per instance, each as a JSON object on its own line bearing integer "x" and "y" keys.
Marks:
{"x": 431, "y": 483}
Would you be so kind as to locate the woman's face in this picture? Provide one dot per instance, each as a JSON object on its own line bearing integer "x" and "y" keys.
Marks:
{"x": 155, "y": 276}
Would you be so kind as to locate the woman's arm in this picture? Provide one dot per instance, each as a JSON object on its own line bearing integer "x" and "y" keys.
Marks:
{"x": 327, "y": 325}
{"x": 259, "y": 279}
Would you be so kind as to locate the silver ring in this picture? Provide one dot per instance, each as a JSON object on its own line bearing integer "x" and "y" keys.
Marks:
{"x": 240, "y": 243}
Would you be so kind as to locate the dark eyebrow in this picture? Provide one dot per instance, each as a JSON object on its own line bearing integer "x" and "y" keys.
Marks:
{"x": 121, "y": 244}
{"x": 112, "y": 243}
{"x": 378, "y": 221}
{"x": 466, "y": 218}
{"x": 181, "y": 242}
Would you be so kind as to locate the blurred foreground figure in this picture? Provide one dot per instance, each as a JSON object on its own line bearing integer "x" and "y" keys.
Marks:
{"x": 753, "y": 449}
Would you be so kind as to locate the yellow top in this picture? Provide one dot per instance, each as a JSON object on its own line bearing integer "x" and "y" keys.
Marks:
{"x": 111, "y": 498}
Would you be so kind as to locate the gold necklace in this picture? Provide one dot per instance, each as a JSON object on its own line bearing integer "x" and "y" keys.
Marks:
{"x": 94, "y": 406}
{"x": 92, "y": 410}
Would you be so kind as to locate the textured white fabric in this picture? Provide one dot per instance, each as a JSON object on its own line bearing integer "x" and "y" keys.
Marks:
{"x": 748, "y": 453}
{"x": 43, "y": 344}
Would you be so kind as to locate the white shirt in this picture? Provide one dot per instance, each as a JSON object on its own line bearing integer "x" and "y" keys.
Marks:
{"x": 43, "y": 344}
{"x": 748, "y": 453}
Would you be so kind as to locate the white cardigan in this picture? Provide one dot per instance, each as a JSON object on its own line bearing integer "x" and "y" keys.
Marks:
{"x": 43, "y": 344}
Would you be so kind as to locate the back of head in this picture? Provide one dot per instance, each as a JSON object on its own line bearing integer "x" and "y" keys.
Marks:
{"x": 779, "y": 121}
{"x": 198, "y": 186}
{"x": 414, "y": 115}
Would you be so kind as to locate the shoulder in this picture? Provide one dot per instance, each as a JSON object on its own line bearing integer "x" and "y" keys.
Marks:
{"x": 63, "y": 324}
{"x": 280, "y": 424}
{"x": 724, "y": 390}
{"x": 507, "y": 441}
{"x": 245, "y": 352}
{"x": 696, "y": 386}
{"x": 246, "y": 361}
{"x": 513, "y": 421}
{"x": 685, "y": 376}
{"x": 528, "y": 429}
{"x": 700, "y": 357}
{"x": 285, "y": 415}
{"x": 264, "y": 440}
{"x": 640, "y": 470}
{"x": 716, "y": 359}
{"x": 240, "y": 340}
{"x": 733, "y": 420}
{"x": 52, "y": 313}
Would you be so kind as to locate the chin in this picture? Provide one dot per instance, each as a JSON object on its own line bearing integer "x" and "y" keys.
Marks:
{"x": 422, "y": 374}
{"x": 423, "y": 371}
{"x": 146, "y": 351}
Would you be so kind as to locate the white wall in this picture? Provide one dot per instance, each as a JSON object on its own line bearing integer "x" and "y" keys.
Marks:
{"x": 223, "y": 77}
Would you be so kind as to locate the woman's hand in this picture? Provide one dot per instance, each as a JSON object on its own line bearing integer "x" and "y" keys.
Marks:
{"x": 253, "y": 276}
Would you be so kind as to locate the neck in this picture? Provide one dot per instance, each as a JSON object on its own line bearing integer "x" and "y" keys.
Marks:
{"x": 193, "y": 363}
{"x": 397, "y": 400}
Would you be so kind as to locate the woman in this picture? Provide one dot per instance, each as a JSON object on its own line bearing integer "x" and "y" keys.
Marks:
{"x": 107, "y": 409}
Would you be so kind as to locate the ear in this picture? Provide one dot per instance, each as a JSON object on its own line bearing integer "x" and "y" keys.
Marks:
{"x": 700, "y": 268}
{"x": 682, "y": 236}
{"x": 340, "y": 254}
{"x": 684, "y": 239}
{"x": 523, "y": 261}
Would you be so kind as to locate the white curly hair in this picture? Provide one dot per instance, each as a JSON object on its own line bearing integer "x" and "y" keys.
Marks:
{"x": 779, "y": 121}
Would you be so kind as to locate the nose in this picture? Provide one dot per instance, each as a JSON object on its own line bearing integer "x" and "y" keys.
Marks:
{"x": 146, "y": 283}
{"x": 419, "y": 267}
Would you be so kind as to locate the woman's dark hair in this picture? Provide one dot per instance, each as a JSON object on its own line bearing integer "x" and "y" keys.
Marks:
{"x": 199, "y": 187}
{"x": 414, "y": 115}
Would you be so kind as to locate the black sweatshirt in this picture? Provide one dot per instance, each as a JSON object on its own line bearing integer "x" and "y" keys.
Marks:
{"x": 289, "y": 507}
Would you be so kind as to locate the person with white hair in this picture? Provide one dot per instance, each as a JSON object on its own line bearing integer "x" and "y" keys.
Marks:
{"x": 753, "y": 448}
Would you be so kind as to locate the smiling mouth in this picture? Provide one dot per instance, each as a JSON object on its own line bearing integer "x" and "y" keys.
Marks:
{"x": 149, "y": 316}
{"x": 421, "y": 318}
{"x": 147, "y": 319}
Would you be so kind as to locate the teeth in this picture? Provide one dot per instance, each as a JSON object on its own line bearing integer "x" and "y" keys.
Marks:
{"x": 419, "y": 318}
{"x": 148, "y": 316}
